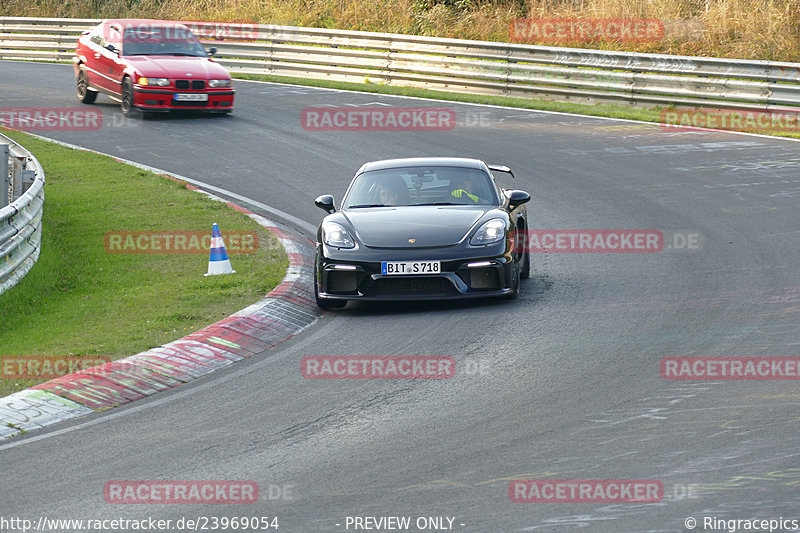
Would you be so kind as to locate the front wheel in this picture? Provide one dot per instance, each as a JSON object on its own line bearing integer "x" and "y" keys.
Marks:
{"x": 515, "y": 280}
{"x": 525, "y": 269}
{"x": 127, "y": 97}
{"x": 85, "y": 94}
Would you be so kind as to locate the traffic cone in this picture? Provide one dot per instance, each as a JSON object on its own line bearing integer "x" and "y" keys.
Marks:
{"x": 218, "y": 262}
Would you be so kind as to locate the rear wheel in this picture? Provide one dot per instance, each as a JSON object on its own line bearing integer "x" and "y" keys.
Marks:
{"x": 127, "y": 97}
{"x": 85, "y": 94}
{"x": 325, "y": 303}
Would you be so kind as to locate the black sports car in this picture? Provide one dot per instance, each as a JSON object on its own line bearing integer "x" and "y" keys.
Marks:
{"x": 421, "y": 228}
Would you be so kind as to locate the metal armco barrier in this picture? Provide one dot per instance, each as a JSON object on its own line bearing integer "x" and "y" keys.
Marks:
{"x": 20, "y": 220}
{"x": 476, "y": 67}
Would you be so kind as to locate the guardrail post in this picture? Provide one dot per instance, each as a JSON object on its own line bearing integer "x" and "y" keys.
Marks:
{"x": 28, "y": 177}
{"x": 18, "y": 167}
{"x": 4, "y": 173}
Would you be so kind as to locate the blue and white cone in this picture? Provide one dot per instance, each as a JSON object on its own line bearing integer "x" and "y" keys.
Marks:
{"x": 218, "y": 262}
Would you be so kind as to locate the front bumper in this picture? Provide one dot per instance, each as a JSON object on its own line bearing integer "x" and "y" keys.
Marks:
{"x": 459, "y": 278}
{"x": 155, "y": 99}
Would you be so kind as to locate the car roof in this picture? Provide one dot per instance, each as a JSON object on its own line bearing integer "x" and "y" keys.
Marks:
{"x": 463, "y": 162}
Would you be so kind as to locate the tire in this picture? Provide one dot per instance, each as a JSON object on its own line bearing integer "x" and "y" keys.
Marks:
{"x": 85, "y": 94}
{"x": 515, "y": 281}
{"x": 525, "y": 269}
{"x": 127, "y": 97}
{"x": 324, "y": 303}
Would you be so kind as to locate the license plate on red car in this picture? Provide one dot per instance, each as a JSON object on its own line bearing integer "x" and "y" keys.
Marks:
{"x": 191, "y": 97}
{"x": 404, "y": 268}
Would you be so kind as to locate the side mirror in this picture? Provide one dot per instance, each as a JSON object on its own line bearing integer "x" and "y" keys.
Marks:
{"x": 211, "y": 51}
{"x": 516, "y": 198}
{"x": 325, "y": 202}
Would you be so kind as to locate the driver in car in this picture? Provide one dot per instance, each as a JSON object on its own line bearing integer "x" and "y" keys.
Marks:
{"x": 464, "y": 189}
{"x": 391, "y": 193}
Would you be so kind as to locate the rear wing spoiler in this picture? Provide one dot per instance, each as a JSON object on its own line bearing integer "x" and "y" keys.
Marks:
{"x": 502, "y": 168}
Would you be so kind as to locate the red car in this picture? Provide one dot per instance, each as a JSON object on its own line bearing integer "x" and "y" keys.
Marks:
{"x": 150, "y": 66}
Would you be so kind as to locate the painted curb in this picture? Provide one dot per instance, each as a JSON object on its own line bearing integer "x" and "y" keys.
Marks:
{"x": 286, "y": 311}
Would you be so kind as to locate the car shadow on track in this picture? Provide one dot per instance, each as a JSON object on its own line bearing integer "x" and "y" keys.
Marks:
{"x": 112, "y": 113}
{"x": 531, "y": 290}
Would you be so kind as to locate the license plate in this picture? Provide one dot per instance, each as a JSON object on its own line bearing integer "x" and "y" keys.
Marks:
{"x": 191, "y": 97}
{"x": 405, "y": 268}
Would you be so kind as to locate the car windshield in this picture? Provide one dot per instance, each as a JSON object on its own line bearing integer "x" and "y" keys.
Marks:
{"x": 161, "y": 41}
{"x": 429, "y": 185}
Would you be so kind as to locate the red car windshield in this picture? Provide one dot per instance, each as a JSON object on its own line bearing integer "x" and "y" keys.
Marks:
{"x": 161, "y": 40}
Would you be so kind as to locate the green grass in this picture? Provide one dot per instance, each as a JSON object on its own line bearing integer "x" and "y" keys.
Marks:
{"x": 81, "y": 300}
{"x": 647, "y": 114}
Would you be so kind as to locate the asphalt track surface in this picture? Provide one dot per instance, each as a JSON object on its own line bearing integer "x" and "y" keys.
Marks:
{"x": 562, "y": 383}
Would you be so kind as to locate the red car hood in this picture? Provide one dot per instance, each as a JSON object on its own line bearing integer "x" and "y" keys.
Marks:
{"x": 200, "y": 68}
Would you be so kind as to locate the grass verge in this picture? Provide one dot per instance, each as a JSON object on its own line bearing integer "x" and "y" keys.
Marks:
{"x": 80, "y": 300}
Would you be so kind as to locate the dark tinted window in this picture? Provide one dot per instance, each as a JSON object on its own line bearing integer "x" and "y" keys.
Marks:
{"x": 421, "y": 186}
{"x": 148, "y": 39}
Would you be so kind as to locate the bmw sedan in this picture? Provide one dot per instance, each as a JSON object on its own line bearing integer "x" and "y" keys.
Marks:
{"x": 421, "y": 228}
{"x": 150, "y": 66}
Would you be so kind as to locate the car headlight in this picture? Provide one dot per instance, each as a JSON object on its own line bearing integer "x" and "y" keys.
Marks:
{"x": 490, "y": 232}
{"x": 334, "y": 234}
{"x": 160, "y": 82}
{"x": 220, "y": 83}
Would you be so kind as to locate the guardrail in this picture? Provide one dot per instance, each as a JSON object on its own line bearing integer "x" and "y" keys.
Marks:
{"x": 21, "y": 205}
{"x": 476, "y": 67}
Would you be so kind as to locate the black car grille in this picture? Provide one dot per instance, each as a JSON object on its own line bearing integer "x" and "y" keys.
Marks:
{"x": 482, "y": 278}
{"x": 196, "y": 85}
{"x": 342, "y": 282}
{"x": 413, "y": 286}
{"x": 183, "y": 103}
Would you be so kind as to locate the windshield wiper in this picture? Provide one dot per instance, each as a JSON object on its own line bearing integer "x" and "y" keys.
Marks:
{"x": 368, "y": 205}
{"x": 441, "y": 203}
